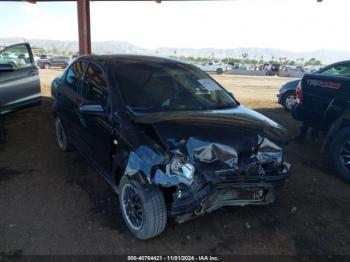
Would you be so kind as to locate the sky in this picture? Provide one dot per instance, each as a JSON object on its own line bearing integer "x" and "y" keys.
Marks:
{"x": 296, "y": 25}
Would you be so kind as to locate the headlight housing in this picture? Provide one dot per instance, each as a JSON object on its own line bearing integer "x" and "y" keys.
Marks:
{"x": 178, "y": 167}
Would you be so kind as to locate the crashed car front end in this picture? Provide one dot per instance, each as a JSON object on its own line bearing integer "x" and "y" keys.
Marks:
{"x": 204, "y": 184}
{"x": 213, "y": 160}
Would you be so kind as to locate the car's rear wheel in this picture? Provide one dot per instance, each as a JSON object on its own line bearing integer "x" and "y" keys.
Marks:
{"x": 143, "y": 210}
{"x": 219, "y": 71}
{"x": 340, "y": 153}
{"x": 62, "y": 139}
{"x": 288, "y": 100}
{"x": 47, "y": 66}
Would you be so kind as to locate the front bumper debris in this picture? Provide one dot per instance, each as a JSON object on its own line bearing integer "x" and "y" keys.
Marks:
{"x": 233, "y": 190}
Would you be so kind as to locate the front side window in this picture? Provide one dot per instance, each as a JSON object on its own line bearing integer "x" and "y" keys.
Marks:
{"x": 95, "y": 85}
{"x": 341, "y": 70}
{"x": 74, "y": 74}
{"x": 169, "y": 87}
{"x": 17, "y": 56}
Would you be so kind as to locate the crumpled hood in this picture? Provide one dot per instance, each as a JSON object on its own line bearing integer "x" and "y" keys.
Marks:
{"x": 235, "y": 124}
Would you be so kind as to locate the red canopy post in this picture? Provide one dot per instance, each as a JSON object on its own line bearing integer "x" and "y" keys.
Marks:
{"x": 83, "y": 7}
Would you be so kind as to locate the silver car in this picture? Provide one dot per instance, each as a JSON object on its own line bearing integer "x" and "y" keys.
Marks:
{"x": 19, "y": 78}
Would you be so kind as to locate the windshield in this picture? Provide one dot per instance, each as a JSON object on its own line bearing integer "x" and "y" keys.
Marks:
{"x": 152, "y": 87}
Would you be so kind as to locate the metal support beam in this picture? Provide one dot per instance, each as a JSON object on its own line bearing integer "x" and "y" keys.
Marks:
{"x": 83, "y": 8}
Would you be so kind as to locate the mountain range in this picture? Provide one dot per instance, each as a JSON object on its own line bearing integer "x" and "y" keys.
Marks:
{"x": 122, "y": 47}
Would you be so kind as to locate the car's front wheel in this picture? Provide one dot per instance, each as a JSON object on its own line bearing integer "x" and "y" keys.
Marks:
{"x": 62, "y": 139}
{"x": 143, "y": 209}
{"x": 47, "y": 66}
{"x": 340, "y": 153}
{"x": 288, "y": 100}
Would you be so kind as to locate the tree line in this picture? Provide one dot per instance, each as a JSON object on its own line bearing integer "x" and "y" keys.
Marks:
{"x": 243, "y": 59}
{"x": 246, "y": 60}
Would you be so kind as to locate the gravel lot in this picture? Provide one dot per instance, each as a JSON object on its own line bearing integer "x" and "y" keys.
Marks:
{"x": 53, "y": 203}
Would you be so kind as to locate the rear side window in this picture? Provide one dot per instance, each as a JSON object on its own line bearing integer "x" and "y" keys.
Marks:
{"x": 74, "y": 74}
{"x": 95, "y": 85}
{"x": 341, "y": 70}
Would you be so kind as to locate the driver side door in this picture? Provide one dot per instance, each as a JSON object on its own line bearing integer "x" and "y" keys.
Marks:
{"x": 19, "y": 78}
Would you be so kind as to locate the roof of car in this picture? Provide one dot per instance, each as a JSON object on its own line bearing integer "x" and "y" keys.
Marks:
{"x": 127, "y": 58}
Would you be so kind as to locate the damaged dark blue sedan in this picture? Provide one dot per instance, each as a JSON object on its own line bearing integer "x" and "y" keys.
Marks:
{"x": 167, "y": 137}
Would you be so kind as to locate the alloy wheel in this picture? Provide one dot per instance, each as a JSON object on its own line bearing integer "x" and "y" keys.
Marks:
{"x": 345, "y": 155}
{"x": 289, "y": 101}
{"x": 132, "y": 207}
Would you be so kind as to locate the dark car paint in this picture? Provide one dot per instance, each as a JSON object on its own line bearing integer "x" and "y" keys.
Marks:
{"x": 19, "y": 87}
{"x": 120, "y": 142}
{"x": 233, "y": 119}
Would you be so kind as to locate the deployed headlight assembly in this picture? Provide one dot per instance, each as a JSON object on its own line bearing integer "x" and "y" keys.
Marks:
{"x": 176, "y": 172}
{"x": 177, "y": 167}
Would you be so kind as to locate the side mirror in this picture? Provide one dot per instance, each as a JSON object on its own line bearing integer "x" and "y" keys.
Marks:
{"x": 6, "y": 68}
{"x": 91, "y": 108}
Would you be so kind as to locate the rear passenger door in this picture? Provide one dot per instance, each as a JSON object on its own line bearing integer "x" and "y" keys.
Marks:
{"x": 96, "y": 129}
{"x": 19, "y": 78}
{"x": 68, "y": 100}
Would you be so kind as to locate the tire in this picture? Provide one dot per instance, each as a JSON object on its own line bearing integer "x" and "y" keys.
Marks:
{"x": 47, "y": 66}
{"x": 62, "y": 139}
{"x": 219, "y": 71}
{"x": 150, "y": 201}
{"x": 288, "y": 100}
{"x": 339, "y": 147}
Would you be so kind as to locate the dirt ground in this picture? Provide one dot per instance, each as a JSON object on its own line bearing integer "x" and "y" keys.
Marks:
{"x": 53, "y": 203}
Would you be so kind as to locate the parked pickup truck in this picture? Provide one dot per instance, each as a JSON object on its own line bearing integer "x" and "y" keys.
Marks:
{"x": 286, "y": 96}
{"x": 323, "y": 102}
{"x": 219, "y": 68}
